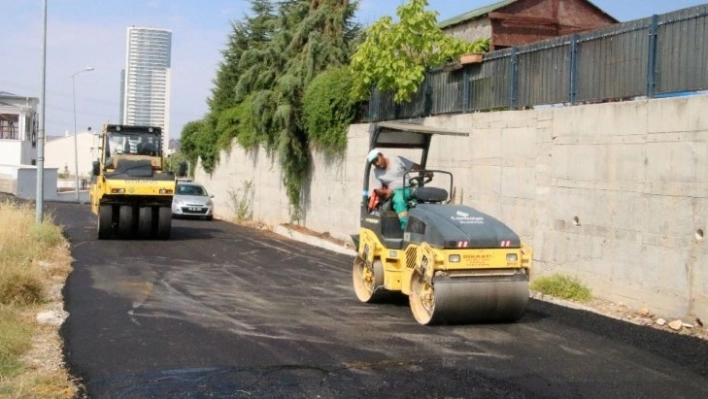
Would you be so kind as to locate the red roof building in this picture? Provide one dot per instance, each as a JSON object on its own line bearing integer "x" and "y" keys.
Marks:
{"x": 512, "y": 23}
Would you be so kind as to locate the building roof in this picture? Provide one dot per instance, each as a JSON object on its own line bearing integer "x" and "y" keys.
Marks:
{"x": 481, "y": 12}
{"x": 474, "y": 14}
{"x": 8, "y": 99}
{"x": 6, "y": 94}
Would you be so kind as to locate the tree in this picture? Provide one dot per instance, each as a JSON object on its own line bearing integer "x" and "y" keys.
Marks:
{"x": 198, "y": 141}
{"x": 258, "y": 95}
{"x": 177, "y": 163}
{"x": 243, "y": 57}
{"x": 223, "y": 93}
{"x": 188, "y": 141}
{"x": 309, "y": 38}
{"x": 395, "y": 56}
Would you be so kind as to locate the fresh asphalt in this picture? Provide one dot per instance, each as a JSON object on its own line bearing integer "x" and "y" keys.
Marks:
{"x": 225, "y": 311}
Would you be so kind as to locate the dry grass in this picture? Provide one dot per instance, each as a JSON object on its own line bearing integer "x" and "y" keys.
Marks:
{"x": 34, "y": 263}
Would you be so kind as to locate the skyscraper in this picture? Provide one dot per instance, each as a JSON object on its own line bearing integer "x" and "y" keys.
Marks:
{"x": 145, "y": 81}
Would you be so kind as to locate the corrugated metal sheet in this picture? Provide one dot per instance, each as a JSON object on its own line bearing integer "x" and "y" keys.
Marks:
{"x": 446, "y": 92}
{"x": 613, "y": 64}
{"x": 544, "y": 73}
{"x": 490, "y": 85}
{"x": 682, "y": 51}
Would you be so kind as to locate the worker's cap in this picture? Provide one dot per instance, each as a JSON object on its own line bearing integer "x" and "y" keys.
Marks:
{"x": 373, "y": 154}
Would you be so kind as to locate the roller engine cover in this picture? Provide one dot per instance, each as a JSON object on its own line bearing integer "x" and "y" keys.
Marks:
{"x": 450, "y": 226}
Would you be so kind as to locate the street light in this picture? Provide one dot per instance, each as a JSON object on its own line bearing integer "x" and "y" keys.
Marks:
{"x": 76, "y": 145}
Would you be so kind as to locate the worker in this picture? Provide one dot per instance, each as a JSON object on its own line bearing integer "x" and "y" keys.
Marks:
{"x": 145, "y": 147}
{"x": 389, "y": 172}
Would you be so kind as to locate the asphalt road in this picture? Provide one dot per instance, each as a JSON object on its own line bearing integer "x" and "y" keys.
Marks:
{"x": 224, "y": 311}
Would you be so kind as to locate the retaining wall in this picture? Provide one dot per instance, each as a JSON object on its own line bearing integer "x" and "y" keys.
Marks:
{"x": 615, "y": 194}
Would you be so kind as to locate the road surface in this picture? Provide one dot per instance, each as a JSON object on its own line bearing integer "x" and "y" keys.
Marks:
{"x": 225, "y": 311}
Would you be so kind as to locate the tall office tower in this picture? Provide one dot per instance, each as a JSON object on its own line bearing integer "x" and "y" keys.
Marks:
{"x": 145, "y": 82}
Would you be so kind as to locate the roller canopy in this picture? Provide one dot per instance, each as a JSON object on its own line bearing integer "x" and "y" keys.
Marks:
{"x": 406, "y": 135}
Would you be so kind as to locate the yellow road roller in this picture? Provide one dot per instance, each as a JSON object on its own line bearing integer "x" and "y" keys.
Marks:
{"x": 457, "y": 265}
{"x": 131, "y": 190}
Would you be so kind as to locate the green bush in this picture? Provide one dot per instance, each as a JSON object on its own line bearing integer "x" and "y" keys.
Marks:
{"x": 560, "y": 286}
{"x": 328, "y": 110}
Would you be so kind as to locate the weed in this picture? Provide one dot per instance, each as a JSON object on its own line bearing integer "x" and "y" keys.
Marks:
{"x": 564, "y": 287}
{"x": 241, "y": 202}
{"x": 20, "y": 287}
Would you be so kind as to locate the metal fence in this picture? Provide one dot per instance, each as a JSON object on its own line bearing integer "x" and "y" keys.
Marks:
{"x": 648, "y": 57}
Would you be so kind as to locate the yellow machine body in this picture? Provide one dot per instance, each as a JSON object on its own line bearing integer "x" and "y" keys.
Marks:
{"x": 399, "y": 266}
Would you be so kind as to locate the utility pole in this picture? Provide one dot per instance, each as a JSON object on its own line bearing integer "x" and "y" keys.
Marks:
{"x": 40, "y": 135}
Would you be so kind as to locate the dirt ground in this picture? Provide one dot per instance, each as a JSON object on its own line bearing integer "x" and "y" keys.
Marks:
{"x": 642, "y": 317}
{"x": 324, "y": 236}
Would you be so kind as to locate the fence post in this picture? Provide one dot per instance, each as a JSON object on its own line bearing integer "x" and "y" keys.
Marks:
{"x": 372, "y": 103}
{"x": 573, "y": 69}
{"x": 651, "y": 67}
{"x": 465, "y": 88}
{"x": 428, "y": 97}
{"x": 513, "y": 90}
{"x": 370, "y": 109}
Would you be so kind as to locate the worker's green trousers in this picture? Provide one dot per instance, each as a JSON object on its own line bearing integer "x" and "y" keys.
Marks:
{"x": 399, "y": 202}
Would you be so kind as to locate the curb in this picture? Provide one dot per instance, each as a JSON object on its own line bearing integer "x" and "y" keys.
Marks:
{"x": 314, "y": 241}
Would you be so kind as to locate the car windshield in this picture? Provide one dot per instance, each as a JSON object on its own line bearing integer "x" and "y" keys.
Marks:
{"x": 188, "y": 189}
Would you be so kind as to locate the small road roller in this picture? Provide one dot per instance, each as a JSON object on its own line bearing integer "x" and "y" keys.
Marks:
{"x": 457, "y": 265}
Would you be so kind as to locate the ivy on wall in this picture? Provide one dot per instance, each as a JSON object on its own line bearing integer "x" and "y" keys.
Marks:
{"x": 328, "y": 110}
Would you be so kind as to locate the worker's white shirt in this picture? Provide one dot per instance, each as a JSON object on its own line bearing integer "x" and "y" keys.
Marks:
{"x": 392, "y": 176}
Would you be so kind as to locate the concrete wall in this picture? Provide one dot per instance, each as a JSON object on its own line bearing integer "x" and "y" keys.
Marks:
{"x": 21, "y": 181}
{"x": 11, "y": 152}
{"x": 17, "y": 152}
{"x": 472, "y": 30}
{"x": 8, "y": 183}
{"x": 59, "y": 153}
{"x": 615, "y": 194}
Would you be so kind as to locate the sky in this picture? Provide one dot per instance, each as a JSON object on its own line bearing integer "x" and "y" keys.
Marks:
{"x": 92, "y": 33}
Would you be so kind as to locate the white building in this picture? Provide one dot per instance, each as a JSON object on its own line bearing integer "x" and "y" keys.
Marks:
{"x": 146, "y": 79}
{"x": 59, "y": 153}
{"x": 18, "y": 129}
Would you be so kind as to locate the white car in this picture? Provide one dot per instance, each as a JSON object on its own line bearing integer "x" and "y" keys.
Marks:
{"x": 192, "y": 200}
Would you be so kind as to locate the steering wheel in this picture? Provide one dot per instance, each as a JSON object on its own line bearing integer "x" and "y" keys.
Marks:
{"x": 422, "y": 179}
